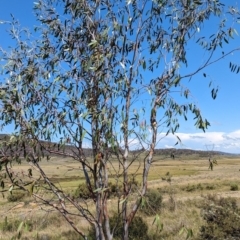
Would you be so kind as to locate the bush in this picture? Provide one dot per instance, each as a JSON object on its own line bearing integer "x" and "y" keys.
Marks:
{"x": 152, "y": 203}
{"x": 134, "y": 185}
{"x": 192, "y": 188}
{"x": 234, "y": 187}
{"x": 16, "y": 196}
{"x": 113, "y": 189}
{"x": 9, "y": 226}
{"x": 138, "y": 229}
{"x": 210, "y": 187}
{"x": 12, "y": 226}
{"x": 222, "y": 219}
{"x": 82, "y": 191}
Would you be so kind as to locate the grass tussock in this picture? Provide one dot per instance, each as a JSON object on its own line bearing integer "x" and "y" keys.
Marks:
{"x": 17, "y": 196}
{"x": 222, "y": 218}
{"x": 152, "y": 202}
{"x": 234, "y": 187}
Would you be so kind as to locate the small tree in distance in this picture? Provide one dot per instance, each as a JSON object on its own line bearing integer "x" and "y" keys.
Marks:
{"x": 84, "y": 80}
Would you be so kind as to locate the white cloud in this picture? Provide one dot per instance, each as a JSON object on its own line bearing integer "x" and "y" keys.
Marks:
{"x": 168, "y": 146}
{"x": 219, "y": 141}
{"x": 86, "y": 145}
{"x": 134, "y": 144}
{"x": 235, "y": 136}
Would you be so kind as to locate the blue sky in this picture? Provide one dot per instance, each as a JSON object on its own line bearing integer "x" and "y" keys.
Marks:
{"x": 223, "y": 113}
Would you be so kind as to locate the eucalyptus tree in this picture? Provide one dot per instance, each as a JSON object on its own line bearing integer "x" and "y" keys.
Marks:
{"x": 102, "y": 74}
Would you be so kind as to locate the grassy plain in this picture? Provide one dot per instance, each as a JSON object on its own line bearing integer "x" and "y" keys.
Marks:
{"x": 184, "y": 182}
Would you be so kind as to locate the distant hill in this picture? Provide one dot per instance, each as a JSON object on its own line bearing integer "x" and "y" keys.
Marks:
{"x": 200, "y": 153}
{"x": 169, "y": 152}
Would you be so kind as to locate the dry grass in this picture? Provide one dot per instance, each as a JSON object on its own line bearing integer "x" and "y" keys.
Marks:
{"x": 39, "y": 225}
{"x": 173, "y": 218}
{"x": 189, "y": 180}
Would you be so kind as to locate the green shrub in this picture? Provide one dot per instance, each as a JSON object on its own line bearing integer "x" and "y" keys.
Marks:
{"x": 16, "y": 196}
{"x": 12, "y": 226}
{"x": 199, "y": 186}
{"x": 152, "y": 203}
{"x": 134, "y": 185}
{"x": 192, "y": 188}
{"x": 138, "y": 229}
{"x": 234, "y": 187}
{"x": 82, "y": 191}
{"x": 167, "y": 177}
{"x": 9, "y": 226}
{"x": 114, "y": 189}
{"x": 222, "y": 218}
{"x": 210, "y": 187}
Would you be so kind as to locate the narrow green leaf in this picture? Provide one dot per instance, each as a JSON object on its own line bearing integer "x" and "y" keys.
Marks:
{"x": 92, "y": 43}
{"x": 181, "y": 231}
{"x": 189, "y": 234}
{"x": 10, "y": 189}
{"x": 235, "y": 31}
{"x": 176, "y": 80}
{"x": 100, "y": 189}
{"x": 144, "y": 64}
{"x": 156, "y": 219}
{"x": 20, "y": 227}
{"x": 198, "y": 2}
{"x": 122, "y": 201}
